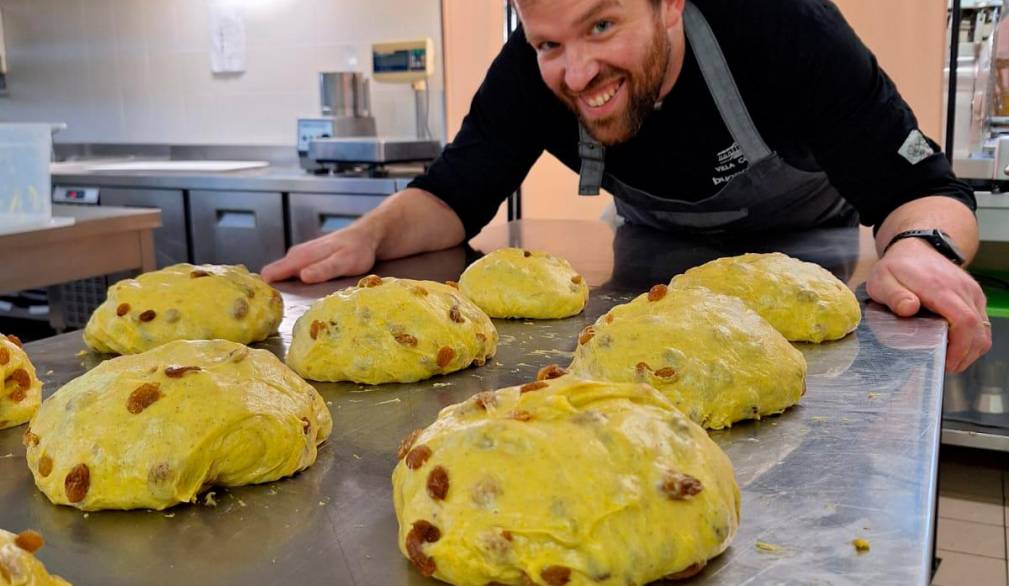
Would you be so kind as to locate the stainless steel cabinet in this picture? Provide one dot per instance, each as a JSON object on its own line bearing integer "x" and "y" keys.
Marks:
{"x": 312, "y": 214}
{"x": 236, "y": 227}
{"x": 170, "y": 244}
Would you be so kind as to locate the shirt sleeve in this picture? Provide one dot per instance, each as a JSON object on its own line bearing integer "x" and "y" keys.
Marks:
{"x": 498, "y": 142}
{"x": 861, "y": 131}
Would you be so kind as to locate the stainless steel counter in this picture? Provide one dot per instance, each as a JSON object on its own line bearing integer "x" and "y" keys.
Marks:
{"x": 857, "y": 458}
{"x": 280, "y": 179}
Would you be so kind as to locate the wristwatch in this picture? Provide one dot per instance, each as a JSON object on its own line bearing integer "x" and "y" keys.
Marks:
{"x": 937, "y": 238}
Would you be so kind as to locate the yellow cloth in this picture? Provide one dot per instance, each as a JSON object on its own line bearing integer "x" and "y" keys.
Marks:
{"x": 149, "y": 431}
{"x": 21, "y": 392}
{"x": 390, "y": 330}
{"x": 802, "y": 300}
{"x": 517, "y": 283}
{"x": 18, "y": 564}
{"x": 600, "y": 483}
{"x": 184, "y": 302}
{"x": 716, "y": 360}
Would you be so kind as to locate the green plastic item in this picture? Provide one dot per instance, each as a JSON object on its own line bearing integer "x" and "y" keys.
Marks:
{"x": 996, "y": 288}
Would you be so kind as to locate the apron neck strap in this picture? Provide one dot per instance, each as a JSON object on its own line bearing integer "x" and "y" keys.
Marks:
{"x": 721, "y": 84}
{"x": 593, "y": 155}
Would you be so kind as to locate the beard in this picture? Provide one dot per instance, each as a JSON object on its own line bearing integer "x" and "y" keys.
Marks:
{"x": 643, "y": 87}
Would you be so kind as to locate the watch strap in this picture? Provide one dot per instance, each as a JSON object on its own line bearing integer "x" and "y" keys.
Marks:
{"x": 939, "y": 240}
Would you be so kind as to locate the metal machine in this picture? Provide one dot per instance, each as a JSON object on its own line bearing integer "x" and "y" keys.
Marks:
{"x": 326, "y": 147}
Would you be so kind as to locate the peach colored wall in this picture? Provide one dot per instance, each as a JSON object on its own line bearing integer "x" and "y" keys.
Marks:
{"x": 907, "y": 36}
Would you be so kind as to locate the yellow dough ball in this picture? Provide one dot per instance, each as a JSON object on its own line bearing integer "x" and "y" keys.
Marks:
{"x": 802, "y": 300}
{"x": 716, "y": 360}
{"x": 155, "y": 429}
{"x": 563, "y": 481}
{"x": 21, "y": 391}
{"x": 390, "y": 330}
{"x": 18, "y": 564}
{"x": 184, "y": 302}
{"x": 517, "y": 283}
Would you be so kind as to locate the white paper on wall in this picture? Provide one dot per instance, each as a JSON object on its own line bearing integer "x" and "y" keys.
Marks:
{"x": 227, "y": 38}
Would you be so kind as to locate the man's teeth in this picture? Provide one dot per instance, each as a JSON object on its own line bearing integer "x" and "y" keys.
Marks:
{"x": 600, "y": 99}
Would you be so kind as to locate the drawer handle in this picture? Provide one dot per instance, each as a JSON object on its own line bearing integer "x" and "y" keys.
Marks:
{"x": 236, "y": 219}
{"x": 333, "y": 222}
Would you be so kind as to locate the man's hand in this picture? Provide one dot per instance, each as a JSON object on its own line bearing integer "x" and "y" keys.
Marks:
{"x": 350, "y": 251}
{"x": 912, "y": 275}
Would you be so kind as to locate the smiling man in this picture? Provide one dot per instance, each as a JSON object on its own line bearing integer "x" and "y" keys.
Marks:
{"x": 708, "y": 118}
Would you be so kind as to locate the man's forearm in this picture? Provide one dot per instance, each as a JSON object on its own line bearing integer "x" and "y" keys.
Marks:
{"x": 410, "y": 222}
{"x": 945, "y": 213}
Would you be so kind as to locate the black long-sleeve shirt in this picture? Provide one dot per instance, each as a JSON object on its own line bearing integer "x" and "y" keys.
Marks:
{"x": 815, "y": 93}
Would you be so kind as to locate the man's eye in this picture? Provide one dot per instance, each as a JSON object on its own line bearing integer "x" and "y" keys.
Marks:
{"x": 602, "y": 26}
{"x": 546, "y": 46}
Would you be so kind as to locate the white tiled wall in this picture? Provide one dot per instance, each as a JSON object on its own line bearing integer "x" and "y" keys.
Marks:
{"x": 139, "y": 70}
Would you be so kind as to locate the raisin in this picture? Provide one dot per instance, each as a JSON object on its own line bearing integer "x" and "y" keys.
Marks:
{"x": 29, "y": 541}
{"x": 18, "y": 395}
{"x": 406, "y": 340}
{"x": 657, "y": 292}
{"x": 666, "y": 372}
{"x": 420, "y": 533}
{"x": 143, "y": 397}
{"x": 478, "y": 362}
{"x": 419, "y": 291}
{"x": 5, "y": 356}
{"x": 240, "y": 308}
{"x": 45, "y": 466}
{"x": 529, "y": 387}
{"x": 306, "y": 425}
{"x": 507, "y": 535}
{"x": 586, "y": 335}
{"x": 526, "y": 253}
{"x": 455, "y": 315}
{"x": 481, "y": 337}
{"x": 445, "y": 356}
{"x": 485, "y": 399}
{"x": 147, "y": 315}
{"x": 556, "y": 575}
{"x": 520, "y": 415}
{"x": 577, "y": 279}
{"x": 370, "y": 281}
{"x": 159, "y": 474}
{"x": 679, "y": 486}
{"x": 437, "y": 483}
{"x": 551, "y": 371}
{"x": 21, "y": 377}
{"x": 29, "y": 439}
{"x": 416, "y": 457}
{"x": 123, "y": 309}
{"x": 407, "y": 443}
{"x": 688, "y": 572}
{"x": 180, "y": 371}
{"x": 642, "y": 369}
{"x": 198, "y": 273}
{"x": 317, "y": 327}
{"x": 15, "y": 340}
{"x": 452, "y": 284}
{"x": 77, "y": 483}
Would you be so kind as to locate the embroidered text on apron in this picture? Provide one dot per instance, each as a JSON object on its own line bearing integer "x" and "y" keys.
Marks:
{"x": 769, "y": 195}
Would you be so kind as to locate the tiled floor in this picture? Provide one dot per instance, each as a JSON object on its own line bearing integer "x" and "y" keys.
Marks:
{"x": 972, "y": 534}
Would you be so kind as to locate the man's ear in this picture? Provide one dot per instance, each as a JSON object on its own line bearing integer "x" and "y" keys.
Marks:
{"x": 672, "y": 12}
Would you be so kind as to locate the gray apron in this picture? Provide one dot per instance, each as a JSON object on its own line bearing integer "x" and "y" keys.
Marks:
{"x": 768, "y": 195}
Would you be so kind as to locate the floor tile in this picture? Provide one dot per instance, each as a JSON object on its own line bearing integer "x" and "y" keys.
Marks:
{"x": 971, "y": 538}
{"x": 958, "y": 569}
{"x": 975, "y": 509}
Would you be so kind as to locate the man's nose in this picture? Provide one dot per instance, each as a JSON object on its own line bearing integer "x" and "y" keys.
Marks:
{"x": 580, "y": 69}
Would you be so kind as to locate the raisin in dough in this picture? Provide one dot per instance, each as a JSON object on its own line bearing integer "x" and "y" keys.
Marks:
{"x": 150, "y": 430}
{"x": 802, "y": 300}
{"x": 21, "y": 392}
{"x": 517, "y": 283}
{"x": 390, "y": 330}
{"x": 716, "y": 360}
{"x": 184, "y": 302}
{"x": 563, "y": 481}
{"x": 18, "y": 564}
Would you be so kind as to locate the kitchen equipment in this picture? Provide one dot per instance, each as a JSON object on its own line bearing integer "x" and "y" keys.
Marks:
{"x": 345, "y": 98}
{"x": 25, "y": 203}
{"x": 408, "y": 62}
{"x": 236, "y": 227}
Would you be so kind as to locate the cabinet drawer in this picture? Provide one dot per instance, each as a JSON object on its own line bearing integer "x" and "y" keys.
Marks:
{"x": 313, "y": 214}
{"x": 236, "y": 227}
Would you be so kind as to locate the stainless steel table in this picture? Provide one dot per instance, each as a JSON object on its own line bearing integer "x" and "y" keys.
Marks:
{"x": 857, "y": 458}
